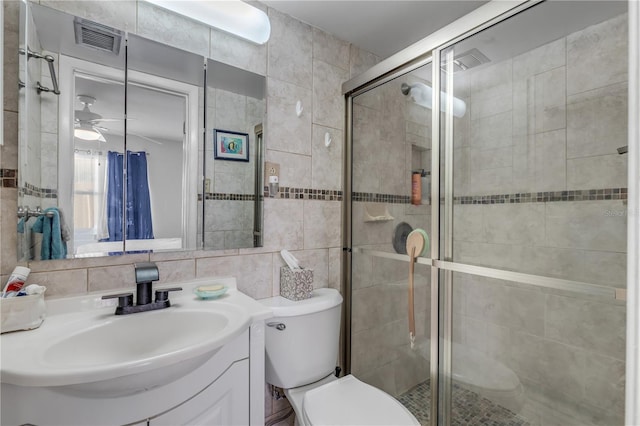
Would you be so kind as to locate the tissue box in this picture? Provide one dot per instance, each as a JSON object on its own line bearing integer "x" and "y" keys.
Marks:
{"x": 296, "y": 284}
{"x": 22, "y": 313}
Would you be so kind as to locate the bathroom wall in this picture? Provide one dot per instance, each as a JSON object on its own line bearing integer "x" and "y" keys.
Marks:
{"x": 301, "y": 63}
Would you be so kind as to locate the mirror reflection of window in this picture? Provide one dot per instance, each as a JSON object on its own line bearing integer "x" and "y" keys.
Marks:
{"x": 89, "y": 196}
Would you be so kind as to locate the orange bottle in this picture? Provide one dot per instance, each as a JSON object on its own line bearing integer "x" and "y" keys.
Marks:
{"x": 416, "y": 188}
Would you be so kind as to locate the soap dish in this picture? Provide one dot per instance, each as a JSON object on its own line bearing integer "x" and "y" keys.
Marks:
{"x": 204, "y": 293}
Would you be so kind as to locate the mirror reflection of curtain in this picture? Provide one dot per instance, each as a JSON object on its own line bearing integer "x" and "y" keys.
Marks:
{"x": 139, "y": 223}
{"x": 89, "y": 186}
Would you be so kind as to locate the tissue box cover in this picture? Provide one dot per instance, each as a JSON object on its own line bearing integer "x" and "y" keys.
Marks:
{"x": 22, "y": 313}
{"x": 296, "y": 284}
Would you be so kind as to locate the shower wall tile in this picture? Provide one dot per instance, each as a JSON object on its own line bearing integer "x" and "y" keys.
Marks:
{"x": 550, "y": 100}
{"x": 590, "y": 325}
{"x": 328, "y": 102}
{"x": 604, "y": 382}
{"x": 524, "y": 164}
{"x": 597, "y": 55}
{"x": 523, "y": 113}
{"x": 586, "y": 225}
{"x": 322, "y": 224}
{"x": 468, "y": 220}
{"x": 119, "y": 14}
{"x": 597, "y": 121}
{"x": 514, "y": 223}
{"x": 550, "y": 161}
{"x": 491, "y": 90}
{"x": 492, "y": 132}
{"x": 602, "y": 171}
{"x": 382, "y": 378}
{"x": 252, "y": 272}
{"x": 294, "y": 168}
{"x": 287, "y": 132}
{"x": 330, "y": 49}
{"x": 172, "y": 29}
{"x": 539, "y": 60}
{"x": 240, "y": 53}
{"x": 290, "y": 50}
{"x": 326, "y": 162}
{"x": 491, "y": 181}
{"x": 493, "y": 158}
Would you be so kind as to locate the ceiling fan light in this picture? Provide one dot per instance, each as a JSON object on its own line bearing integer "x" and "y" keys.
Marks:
{"x": 233, "y": 16}
{"x": 86, "y": 134}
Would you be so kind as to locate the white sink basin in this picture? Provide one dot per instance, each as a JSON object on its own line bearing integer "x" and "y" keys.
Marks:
{"x": 122, "y": 339}
{"x": 92, "y": 352}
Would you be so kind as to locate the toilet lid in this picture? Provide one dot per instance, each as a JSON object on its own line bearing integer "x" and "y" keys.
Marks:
{"x": 348, "y": 401}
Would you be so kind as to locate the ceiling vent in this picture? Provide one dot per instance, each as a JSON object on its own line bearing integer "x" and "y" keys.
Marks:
{"x": 97, "y": 36}
{"x": 469, "y": 59}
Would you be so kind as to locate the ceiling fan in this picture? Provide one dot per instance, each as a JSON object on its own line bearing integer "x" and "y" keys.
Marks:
{"x": 86, "y": 123}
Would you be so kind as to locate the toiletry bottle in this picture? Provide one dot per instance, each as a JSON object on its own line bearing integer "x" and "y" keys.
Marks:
{"x": 16, "y": 280}
{"x": 416, "y": 188}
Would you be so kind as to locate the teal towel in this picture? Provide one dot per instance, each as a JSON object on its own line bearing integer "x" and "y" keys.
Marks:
{"x": 52, "y": 245}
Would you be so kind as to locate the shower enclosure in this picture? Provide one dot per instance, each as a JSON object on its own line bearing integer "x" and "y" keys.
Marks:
{"x": 520, "y": 184}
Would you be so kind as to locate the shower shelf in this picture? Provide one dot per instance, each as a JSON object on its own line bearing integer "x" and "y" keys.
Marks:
{"x": 377, "y": 212}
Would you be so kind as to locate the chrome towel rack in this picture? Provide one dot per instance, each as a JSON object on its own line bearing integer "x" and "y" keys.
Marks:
{"x": 26, "y": 212}
{"x": 50, "y": 59}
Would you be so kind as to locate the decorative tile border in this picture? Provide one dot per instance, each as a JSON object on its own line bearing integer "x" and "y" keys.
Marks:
{"x": 381, "y": 198}
{"x": 286, "y": 192}
{"x": 35, "y": 191}
{"x": 544, "y": 197}
{"x": 8, "y": 178}
{"x": 224, "y": 196}
{"x": 522, "y": 197}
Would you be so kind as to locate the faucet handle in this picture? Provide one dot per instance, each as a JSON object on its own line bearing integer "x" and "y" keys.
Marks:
{"x": 124, "y": 299}
{"x": 162, "y": 294}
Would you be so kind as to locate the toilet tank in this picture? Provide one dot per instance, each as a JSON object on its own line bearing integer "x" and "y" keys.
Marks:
{"x": 306, "y": 349}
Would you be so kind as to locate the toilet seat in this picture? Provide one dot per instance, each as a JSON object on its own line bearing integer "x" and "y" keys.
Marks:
{"x": 348, "y": 401}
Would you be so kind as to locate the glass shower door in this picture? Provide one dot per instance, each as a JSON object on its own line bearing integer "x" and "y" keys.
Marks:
{"x": 391, "y": 149}
{"x": 534, "y": 223}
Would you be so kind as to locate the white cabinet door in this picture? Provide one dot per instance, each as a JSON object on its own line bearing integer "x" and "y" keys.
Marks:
{"x": 224, "y": 402}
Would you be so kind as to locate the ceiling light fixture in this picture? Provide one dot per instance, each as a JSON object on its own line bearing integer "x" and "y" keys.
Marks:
{"x": 233, "y": 16}
{"x": 87, "y": 133}
{"x": 421, "y": 94}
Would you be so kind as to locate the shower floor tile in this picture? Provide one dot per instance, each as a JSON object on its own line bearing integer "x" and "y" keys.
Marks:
{"x": 469, "y": 408}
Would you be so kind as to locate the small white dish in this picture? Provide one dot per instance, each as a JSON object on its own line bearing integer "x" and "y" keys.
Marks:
{"x": 210, "y": 294}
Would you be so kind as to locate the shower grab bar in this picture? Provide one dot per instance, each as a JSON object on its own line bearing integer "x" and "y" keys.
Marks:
{"x": 50, "y": 59}
{"x": 609, "y": 293}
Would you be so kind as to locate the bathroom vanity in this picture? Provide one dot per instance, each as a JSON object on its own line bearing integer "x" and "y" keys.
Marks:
{"x": 198, "y": 362}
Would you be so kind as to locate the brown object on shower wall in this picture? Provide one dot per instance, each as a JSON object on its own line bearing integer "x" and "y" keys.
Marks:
{"x": 416, "y": 188}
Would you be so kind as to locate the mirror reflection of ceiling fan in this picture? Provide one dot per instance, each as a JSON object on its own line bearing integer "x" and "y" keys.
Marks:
{"x": 87, "y": 126}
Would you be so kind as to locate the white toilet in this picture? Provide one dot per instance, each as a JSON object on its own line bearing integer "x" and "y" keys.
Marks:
{"x": 301, "y": 352}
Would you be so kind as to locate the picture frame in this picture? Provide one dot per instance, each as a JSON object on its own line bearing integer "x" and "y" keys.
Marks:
{"x": 229, "y": 145}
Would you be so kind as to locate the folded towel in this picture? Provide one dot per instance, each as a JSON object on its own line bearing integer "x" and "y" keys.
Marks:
{"x": 53, "y": 247}
{"x": 21, "y": 226}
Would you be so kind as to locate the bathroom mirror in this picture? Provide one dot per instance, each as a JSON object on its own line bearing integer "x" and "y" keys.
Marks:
{"x": 118, "y": 159}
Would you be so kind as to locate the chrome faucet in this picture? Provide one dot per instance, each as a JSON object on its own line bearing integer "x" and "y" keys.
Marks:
{"x": 146, "y": 273}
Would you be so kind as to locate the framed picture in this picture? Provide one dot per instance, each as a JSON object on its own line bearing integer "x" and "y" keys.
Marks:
{"x": 229, "y": 145}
